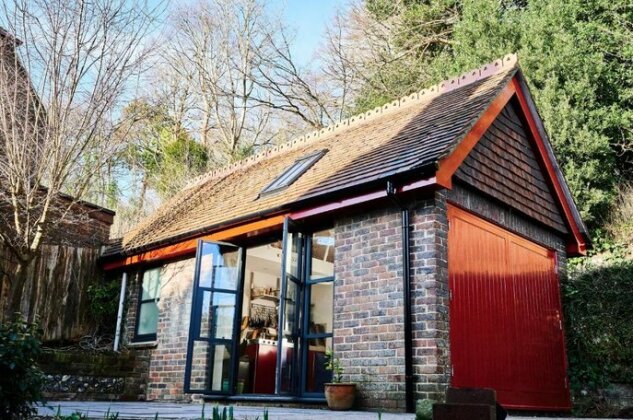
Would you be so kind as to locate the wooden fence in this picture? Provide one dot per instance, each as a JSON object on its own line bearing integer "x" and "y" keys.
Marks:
{"x": 57, "y": 289}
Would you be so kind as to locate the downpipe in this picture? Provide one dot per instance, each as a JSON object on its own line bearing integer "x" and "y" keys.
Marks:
{"x": 119, "y": 317}
{"x": 406, "y": 288}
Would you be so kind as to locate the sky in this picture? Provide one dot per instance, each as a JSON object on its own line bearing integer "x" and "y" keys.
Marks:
{"x": 308, "y": 18}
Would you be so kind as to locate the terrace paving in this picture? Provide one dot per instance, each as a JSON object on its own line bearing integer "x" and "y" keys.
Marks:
{"x": 149, "y": 410}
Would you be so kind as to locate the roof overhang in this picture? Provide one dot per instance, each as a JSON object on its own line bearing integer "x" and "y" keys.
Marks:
{"x": 261, "y": 224}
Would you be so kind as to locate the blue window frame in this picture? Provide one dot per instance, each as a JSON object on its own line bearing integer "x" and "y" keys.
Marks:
{"x": 304, "y": 315}
{"x": 147, "y": 311}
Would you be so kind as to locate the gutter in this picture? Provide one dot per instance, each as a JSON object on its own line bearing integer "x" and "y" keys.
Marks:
{"x": 406, "y": 291}
{"x": 340, "y": 200}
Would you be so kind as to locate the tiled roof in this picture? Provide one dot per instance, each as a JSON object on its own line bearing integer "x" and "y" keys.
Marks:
{"x": 401, "y": 137}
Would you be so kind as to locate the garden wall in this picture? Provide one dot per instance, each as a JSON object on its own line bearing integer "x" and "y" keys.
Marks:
{"x": 95, "y": 376}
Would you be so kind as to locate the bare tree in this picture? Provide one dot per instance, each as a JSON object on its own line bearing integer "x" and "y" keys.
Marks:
{"x": 364, "y": 51}
{"x": 59, "y": 94}
{"x": 214, "y": 45}
{"x": 285, "y": 86}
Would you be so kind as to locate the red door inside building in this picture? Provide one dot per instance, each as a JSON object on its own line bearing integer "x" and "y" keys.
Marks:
{"x": 506, "y": 328}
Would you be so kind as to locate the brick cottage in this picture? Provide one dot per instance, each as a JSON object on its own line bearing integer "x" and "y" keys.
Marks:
{"x": 422, "y": 242}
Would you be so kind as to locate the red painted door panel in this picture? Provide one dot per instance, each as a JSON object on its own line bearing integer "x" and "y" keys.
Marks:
{"x": 505, "y": 323}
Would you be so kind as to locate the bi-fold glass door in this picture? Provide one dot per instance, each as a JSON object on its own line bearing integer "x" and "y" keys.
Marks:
{"x": 221, "y": 358}
{"x": 289, "y": 352}
{"x": 211, "y": 359}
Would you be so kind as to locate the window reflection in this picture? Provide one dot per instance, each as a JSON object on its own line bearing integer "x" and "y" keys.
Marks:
{"x": 219, "y": 267}
{"x": 321, "y": 307}
{"x": 147, "y": 324}
{"x": 316, "y": 374}
{"x": 322, "y": 254}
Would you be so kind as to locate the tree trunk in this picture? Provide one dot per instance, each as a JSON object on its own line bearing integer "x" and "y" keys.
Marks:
{"x": 18, "y": 281}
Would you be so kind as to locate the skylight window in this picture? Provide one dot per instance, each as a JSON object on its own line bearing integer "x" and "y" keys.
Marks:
{"x": 293, "y": 173}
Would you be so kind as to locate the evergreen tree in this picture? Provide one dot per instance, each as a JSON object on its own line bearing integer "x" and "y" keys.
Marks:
{"x": 577, "y": 56}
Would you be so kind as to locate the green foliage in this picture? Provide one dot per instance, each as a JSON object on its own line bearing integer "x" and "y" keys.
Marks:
{"x": 424, "y": 409}
{"x": 104, "y": 303}
{"x": 221, "y": 415}
{"x": 162, "y": 149}
{"x": 74, "y": 416}
{"x": 334, "y": 364}
{"x": 419, "y": 32}
{"x": 81, "y": 416}
{"x": 578, "y": 59}
{"x": 599, "y": 324}
{"x": 21, "y": 379}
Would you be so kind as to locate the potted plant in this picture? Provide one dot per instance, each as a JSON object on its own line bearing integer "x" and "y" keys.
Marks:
{"x": 339, "y": 395}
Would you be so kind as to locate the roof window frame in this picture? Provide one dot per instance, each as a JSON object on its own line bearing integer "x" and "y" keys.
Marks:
{"x": 293, "y": 172}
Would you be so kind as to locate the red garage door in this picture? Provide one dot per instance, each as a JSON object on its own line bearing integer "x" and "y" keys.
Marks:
{"x": 505, "y": 315}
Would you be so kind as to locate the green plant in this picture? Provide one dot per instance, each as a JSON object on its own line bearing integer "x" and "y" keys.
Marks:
{"x": 599, "y": 329}
{"x": 74, "y": 416}
{"x": 104, "y": 301}
{"x": 334, "y": 364}
{"x": 21, "y": 380}
{"x": 222, "y": 415}
{"x": 110, "y": 416}
{"x": 424, "y": 409}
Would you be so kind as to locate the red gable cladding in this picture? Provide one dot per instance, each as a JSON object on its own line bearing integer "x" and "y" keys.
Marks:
{"x": 505, "y": 166}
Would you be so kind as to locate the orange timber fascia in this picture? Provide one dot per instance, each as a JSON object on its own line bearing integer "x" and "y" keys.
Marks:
{"x": 188, "y": 247}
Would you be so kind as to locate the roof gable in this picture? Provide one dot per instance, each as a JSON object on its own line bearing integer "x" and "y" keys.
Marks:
{"x": 505, "y": 165}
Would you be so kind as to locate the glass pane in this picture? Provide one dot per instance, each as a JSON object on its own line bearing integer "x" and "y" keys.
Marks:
{"x": 200, "y": 372}
{"x": 217, "y": 319}
{"x": 316, "y": 374}
{"x": 151, "y": 284}
{"x": 322, "y": 254}
{"x": 257, "y": 364}
{"x": 219, "y": 266}
{"x": 293, "y": 254}
{"x": 221, "y": 368}
{"x": 288, "y": 366}
{"x": 290, "y": 320}
{"x": 289, "y": 347}
{"x": 147, "y": 318}
{"x": 210, "y": 367}
{"x": 321, "y": 307}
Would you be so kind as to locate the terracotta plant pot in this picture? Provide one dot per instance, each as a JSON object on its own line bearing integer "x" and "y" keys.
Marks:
{"x": 340, "y": 396}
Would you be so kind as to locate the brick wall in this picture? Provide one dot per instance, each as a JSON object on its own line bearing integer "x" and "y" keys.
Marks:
{"x": 429, "y": 285}
{"x": 369, "y": 305}
{"x": 167, "y": 356}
